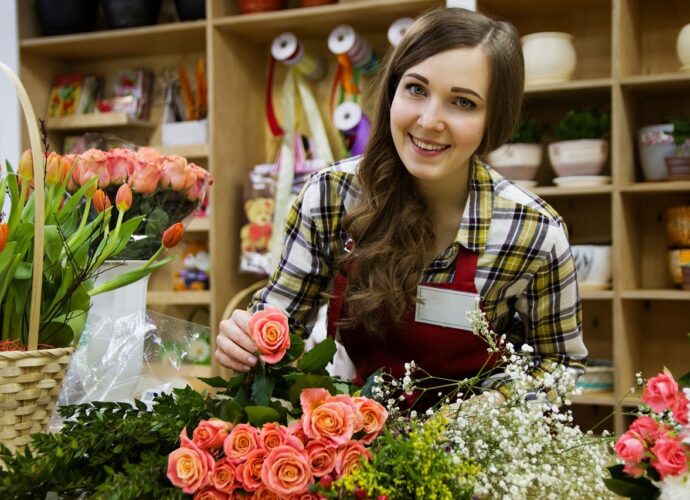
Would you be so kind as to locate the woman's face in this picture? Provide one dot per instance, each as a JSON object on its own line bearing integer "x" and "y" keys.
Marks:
{"x": 438, "y": 114}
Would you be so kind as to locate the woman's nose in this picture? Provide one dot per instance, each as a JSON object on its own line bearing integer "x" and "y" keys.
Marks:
{"x": 431, "y": 117}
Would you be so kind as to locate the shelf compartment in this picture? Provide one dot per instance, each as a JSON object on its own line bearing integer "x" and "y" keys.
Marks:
{"x": 199, "y": 225}
{"x": 555, "y": 191}
{"x": 595, "y": 398}
{"x": 190, "y": 151}
{"x": 656, "y": 294}
{"x": 166, "y": 298}
{"x": 662, "y": 82}
{"x": 90, "y": 121}
{"x": 171, "y": 38}
{"x": 654, "y": 188}
{"x": 573, "y": 87}
{"x": 596, "y": 294}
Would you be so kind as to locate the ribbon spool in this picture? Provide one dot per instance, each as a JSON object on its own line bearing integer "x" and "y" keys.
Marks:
{"x": 355, "y": 126}
{"x": 345, "y": 40}
{"x": 287, "y": 49}
{"x": 398, "y": 29}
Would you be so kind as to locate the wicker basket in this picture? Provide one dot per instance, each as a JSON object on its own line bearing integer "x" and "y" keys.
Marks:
{"x": 678, "y": 226}
{"x": 30, "y": 380}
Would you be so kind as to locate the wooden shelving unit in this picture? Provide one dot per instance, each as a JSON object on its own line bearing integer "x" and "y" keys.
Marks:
{"x": 91, "y": 121}
{"x": 626, "y": 63}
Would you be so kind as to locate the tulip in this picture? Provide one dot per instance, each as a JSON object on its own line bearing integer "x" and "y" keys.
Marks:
{"x": 4, "y": 231}
{"x": 123, "y": 199}
{"x": 56, "y": 169}
{"x": 101, "y": 201}
{"x": 173, "y": 235}
{"x": 25, "y": 169}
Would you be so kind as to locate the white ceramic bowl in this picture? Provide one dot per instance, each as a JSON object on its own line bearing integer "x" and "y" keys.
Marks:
{"x": 580, "y": 157}
{"x": 518, "y": 162}
{"x": 683, "y": 47}
{"x": 550, "y": 57}
{"x": 593, "y": 265}
{"x": 654, "y": 145}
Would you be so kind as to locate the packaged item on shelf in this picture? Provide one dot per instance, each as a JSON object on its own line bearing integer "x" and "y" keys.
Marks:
{"x": 131, "y": 94}
{"x": 256, "y": 233}
{"x": 71, "y": 94}
{"x": 194, "y": 274}
{"x": 186, "y": 108}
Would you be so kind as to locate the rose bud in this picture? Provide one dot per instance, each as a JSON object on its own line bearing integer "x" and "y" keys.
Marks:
{"x": 123, "y": 199}
{"x": 101, "y": 201}
{"x": 25, "y": 169}
{"x": 173, "y": 235}
{"x": 4, "y": 230}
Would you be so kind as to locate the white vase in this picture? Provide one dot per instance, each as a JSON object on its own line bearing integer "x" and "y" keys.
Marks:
{"x": 110, "y": 355}
{"x": 550, "y": 57}
{"x": 578, "y": 157}
{"x": 655, "y": 143}
{"x": 517, "y": 162}
{"x": 683, "y": 47}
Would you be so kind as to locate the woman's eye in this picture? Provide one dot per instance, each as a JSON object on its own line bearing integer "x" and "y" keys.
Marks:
{"x": 463, "y": 102}
{"x": 415, "y": 89}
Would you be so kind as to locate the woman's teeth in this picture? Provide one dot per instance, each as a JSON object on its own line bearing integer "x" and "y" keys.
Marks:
{"x": 426, "y": 146}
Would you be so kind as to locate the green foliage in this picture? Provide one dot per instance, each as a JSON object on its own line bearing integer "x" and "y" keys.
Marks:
{"x": 528, "y": 132}
{"x": 583, "y": 124}
{"x": 681, "y": 136}
{"x": 624, "y": 485}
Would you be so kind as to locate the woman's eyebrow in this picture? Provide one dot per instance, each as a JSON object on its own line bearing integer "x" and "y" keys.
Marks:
{"x": 460, "y": 90}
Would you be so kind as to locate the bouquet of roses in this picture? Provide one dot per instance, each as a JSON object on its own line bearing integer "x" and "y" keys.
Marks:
{"x": 655, "y": 450}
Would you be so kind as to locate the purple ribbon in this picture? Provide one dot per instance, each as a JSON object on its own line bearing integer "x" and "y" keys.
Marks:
{"x": 361, "y": 135}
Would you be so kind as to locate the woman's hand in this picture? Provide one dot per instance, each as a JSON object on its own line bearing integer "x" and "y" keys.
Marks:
{"x": 234, "y": 346}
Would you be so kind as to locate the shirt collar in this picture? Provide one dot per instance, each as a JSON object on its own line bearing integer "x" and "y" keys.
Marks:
{"x": 476, "y": 218}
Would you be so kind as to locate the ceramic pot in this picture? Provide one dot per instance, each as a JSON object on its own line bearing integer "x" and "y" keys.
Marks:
{"x": 678, "y": 168}
{"x": 550, "y": 57}
{"x": 518, "y": 162}
{"x": 683, "y": 47}
{"x": 189, "y": 10}
{"x": 131, "y": 13}
{"x": 251, "y": 6}
{"x": 678, "y": 226}
{"x": 654, "y": 145}
{"x": 678, "y": 260}
{"x": 67, "y": 16}
{"x": 593, "y": 265}
{"x": 579, "y": 157}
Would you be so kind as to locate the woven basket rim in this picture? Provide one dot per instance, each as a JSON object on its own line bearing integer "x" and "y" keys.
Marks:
{"x": 56, "y": 351}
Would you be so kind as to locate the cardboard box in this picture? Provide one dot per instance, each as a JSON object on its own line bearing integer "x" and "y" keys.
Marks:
{"x": 184, "y": 133}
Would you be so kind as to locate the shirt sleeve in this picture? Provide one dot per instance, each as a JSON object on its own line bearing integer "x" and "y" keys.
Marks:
{"x": 549, "y": 318}
{"x": 306, "y": 264}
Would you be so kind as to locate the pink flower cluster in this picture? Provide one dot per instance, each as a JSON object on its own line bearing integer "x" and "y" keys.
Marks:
{"x": 649, "y": 442}
{"x": 145, "y": 170}
{"x": 276, "y": 461}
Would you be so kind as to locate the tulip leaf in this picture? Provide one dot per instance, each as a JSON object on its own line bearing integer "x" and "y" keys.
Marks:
{"x": 684, "y": 381}
{"x": 73, "y": 202}
{"x": 259, "y": 415}
{"x": 52, "y": 243}
{"x": 57, "y": 333}
{"x": 3, "y": 191}
{"x": 316, "y": 360}
{"x": 156, "y": 222}
{"x": 128, "y": 277}
{"x": 7, "y": 255}
{"x": 307, "y": 382}
{"x": 23, "y": 271}
{"x": 262, "y": 387}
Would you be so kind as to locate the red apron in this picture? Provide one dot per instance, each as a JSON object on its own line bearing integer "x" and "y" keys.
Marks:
{"x": 441, "y": 351}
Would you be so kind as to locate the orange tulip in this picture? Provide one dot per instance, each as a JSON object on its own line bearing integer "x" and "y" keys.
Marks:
{"x": 173, "y": 235}
{"x": 25, "y": 169}
{"x": 101, "y": 201}
{"x": 123, "y": 199}
{"x": 56, "y": 169}
{"x": 4, "y": 231}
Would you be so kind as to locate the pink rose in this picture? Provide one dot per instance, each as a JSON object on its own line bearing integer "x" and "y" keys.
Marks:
{"x": 630, "y": 448}
{"x": 660, "y": 392}
{"x": 93, "y": 162}
{"x": 173, "y": 173}
{"x": 670, "y": 458}
{"x": 374, "y": 416}
{"x": 326, "y": 417}
{"x": 286, "y": 471}
{"x": 203, "y": 181}
{"x": 263, "y": 493}
{"x": 321, "y": 456}
{"x": 304, "y": 496}
{"x": 223, "y": 476}
{"x": 148, "y": 155}
{"x": 633, "y": 469}
{"x": 121, "y": 164}
{"x": 647, "y": 428}
{"x": 270, "y": 331}
{"x": 144, "y": 179}
{"x": 211, "y": 434}
{"x": 241, "y": 441}
{"x": 189, "y": 467}
{"x": 210, "y": 493}
{"x": 295, "y": 429}
{"x": 249, "y": 472}
{"x": 272, "y": 435}
{"x": 680, "y": 408}
{"x": 350, "y": 457}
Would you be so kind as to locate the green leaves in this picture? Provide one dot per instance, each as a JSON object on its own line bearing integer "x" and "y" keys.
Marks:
{"x": 621, "y": 484}
{"x": 259, "y": 415}
{"x": 316, "y": 360}
{"x": 262, "y": 388}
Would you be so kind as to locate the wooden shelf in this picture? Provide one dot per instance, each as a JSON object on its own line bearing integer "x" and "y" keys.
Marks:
{"x": 90, "y": 121}
{"x": 658, "y": 187}
{"x": 191, "y": 151}
{"x": 575, "y": 86}
{"x": 199, "y": 225}
{"x": 159, "y": 39}
{"x": 657, "y": 82}
{"x": 369, "y": 16}
{"x": 669, "y": 294}
{"x": 595, "y": 398}
{"x": 596, "y": 294}
{"x": 554, "y": 191}
{"x": 170, "y": 298}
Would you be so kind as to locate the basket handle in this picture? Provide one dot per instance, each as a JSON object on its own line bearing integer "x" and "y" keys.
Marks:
{"x": 39, "y": 209}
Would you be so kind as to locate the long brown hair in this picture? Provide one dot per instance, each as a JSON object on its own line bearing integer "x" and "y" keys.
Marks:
{"x": 389, "y": 226}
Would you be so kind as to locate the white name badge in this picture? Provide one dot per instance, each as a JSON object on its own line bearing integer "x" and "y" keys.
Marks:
{"x": 442, "y": 307}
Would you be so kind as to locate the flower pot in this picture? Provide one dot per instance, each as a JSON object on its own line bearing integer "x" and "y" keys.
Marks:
{"x": 550, "y": 57}
{"x": 251, "y": 6}
{"x": 683, "y": 47}
{"x": 678, "y": 226}
{"x": 189, "y": 10}
{"x": 131, "y": 13}
{"x": 678, "y": 260}
{"x": 654, "y": 145}
{"x": 67, "y": 16}
{"x": 579, "y": 157}
{"x": 593, "y": 266}
{"x": 678, "y": 168}
{"x": 518, "y": 162}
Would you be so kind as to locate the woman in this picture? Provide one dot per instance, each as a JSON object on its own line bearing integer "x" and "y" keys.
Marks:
{"x": 419, "y": 214}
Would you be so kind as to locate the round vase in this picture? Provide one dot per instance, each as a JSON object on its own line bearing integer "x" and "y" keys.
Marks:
{"x": 189, "y": 10}
{"x": 578, "y": 157}
{"x": 131, "y": 13}
{"x": 517, "y": 162}
{"x": 550, "y": 57}
{"x": 655, "y": 143}
{"x": 252, "y": 6}
{"x": 66, "y": 17}
{"x": 683, "y": 47}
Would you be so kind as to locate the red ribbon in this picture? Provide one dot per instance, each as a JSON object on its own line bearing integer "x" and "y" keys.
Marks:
{"x": 273, "y": 124}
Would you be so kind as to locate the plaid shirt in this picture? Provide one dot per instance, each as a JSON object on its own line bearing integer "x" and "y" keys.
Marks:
{"x": 525, "y": 272}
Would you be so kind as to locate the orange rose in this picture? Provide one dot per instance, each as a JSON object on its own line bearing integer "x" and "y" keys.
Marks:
{"x": 272, "y": 435}
{"x": 327, "y": 417}
{"x": 223, "y": 476}
{"x": 144, "y": 179}
{"x": 93, "y": 161}
{"x": 374, "y": 416}
{"x": 295, "y": 429}
{"x": 121, "y": 164}
{"x": 173, "y": 173}
{"x": 349, "y": 458}
{"x": 263, "y": 493}
{"x": 304, "y": 496}
{"x": 241, "y": 441}
{"x": 210, "y": 493}
{"x": 270, "y": 331}
{"x": 321, "y": 457}
{"x": 189, "y": 467}
{"x": 249, "y": 472}
{"x": 210, "y": 434}
{"x": 286, "y": 471}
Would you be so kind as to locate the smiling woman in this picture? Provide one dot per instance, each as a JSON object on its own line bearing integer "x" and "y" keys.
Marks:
{"x": 403, "y": 239}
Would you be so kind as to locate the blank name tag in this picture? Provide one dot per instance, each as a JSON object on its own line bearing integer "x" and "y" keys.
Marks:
{"x": 444, "y": 307}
